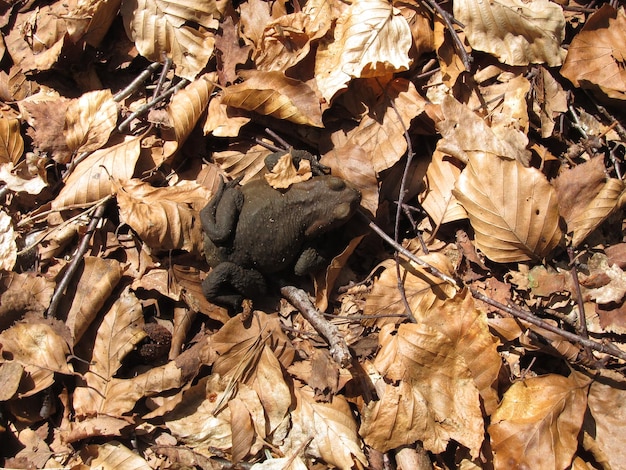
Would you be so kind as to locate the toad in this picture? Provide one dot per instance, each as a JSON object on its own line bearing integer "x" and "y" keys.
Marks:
{"x": 254, "y": 230}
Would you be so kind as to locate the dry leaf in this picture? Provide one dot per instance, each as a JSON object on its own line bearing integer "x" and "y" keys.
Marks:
{"x": 162, "y": 217}
{"x": 371, "y": 39}
{"x": 11, "y": 142}
{"x": 550, "y": 100}
{"x": 274, "y": 94}
{"x": 98, "y": 278}
{"x": 538, "y": 421}
{"x": 196, "y": 422}
{"x": 587, "y": 197}
{"x": 89, "y": 121}
{"x": 120, "y": 331}
{"x": 438, "y": 200}
{"x": 466, "y": 326}
{"x": 595, "y": 59}
{"x": 606, "y": 420}
{"x": 512, "y": 209}
{"x": 184, "y": 110}
{"x": 330, "y": 427}
{"x": 165, "y": 27}
{"x": 435, "y": 399}
{"x": 40, "y": 350}
{"x": 516, "y": 32}
{"x": 111, "y": 456}
{"x": 91, "y": 179}
{"x": 8, "y": 248}
{"x": 423, "y": 290}
{"x": 465, "y": 133}
{"x": 91, "y": 19}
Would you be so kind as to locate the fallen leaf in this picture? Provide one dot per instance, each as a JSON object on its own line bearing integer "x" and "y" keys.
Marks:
{"x": 512, "y": 209}
{"x": 371, "y": 39}
{"x": 538, "y": 422}
{"x": 516, "y": 32}
{"x": 89, "y": 121}
{"x": 166, "y": 27}
{"x": 274, "y": 94}
{"x": 435, "y": 399}
{"x": 330, "y": 428}
{"x": 595, "y": 58}
{"x": 91, "y": 179}
{"x": 11, "y": 141}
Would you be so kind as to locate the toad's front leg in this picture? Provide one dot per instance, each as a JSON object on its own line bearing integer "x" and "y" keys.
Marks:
{"x": 219, "y": 217}
{"x": 228, "y": 284}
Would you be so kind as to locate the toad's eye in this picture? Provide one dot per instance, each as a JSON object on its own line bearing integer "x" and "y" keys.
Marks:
{"x": 336, "y": 184}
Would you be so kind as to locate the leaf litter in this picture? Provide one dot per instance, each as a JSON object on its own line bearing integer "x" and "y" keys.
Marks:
{"x": 494, "y": 339}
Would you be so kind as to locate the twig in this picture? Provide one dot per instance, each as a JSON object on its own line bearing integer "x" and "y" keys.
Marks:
{"x": 400, "y": 203}
{"x": 73, "y": 266}
{"x": 530, "y": 318}
{"x": 134, "y": 85}
{"x": 278, "y": 138}
{"x": 582, "y": 320}
{"x": 148, "y": 106}
{"x": 338, "y": 346}
{"x": 448, "y": 19}
{"x": 403, "y": 251}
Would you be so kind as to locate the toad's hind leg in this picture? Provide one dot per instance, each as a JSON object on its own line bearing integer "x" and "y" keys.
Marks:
{"x": 228, "y": 284}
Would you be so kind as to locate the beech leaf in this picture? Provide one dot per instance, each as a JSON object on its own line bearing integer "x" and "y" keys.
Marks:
{"x": 274, "y": 94}
{"x": 512, "y": 209}
{"x": 91, "y": 179}
{"x": 11, "y": 141}
{"x": 516, "y": 32}
{"x": 538, "y": 421}
{"x": 89, "y": 121}
{"x": 371, "y": 39}
{"x": 596, "y": 56}
{"x": 164, "y": 26}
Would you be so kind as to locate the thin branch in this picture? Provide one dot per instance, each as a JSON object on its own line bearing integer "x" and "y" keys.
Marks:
{"x": 338, "y": 346}
{"x": 74, "y": 264}
{"x": 404, "y": 252}
{"x": 448, "y": 20}
{"x": 148, "y": 106}
{"x": 530, "y": 318}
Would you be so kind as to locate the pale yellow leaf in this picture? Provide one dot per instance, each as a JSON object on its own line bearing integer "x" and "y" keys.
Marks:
{"x": 163, "y": 217}
{"x": 166, "y": 27}
{"x": 194, "y": 422}
{"x": 98, "y": 278}
{"x": 89, "y": 121}
{"x": 185, "y": 109}
{"x": 330, "y": 427}
{"x": 113, "y": 456}
{"x": 8, "y": 248}
{"x": 437, "y": 199}
{"x": 120, "y": 330}
{"x": 91, "y": 179}
{"x": 538, "y": 421}
{"x": 40, "y": 349}
{"x": 512, "y": 209}
{"x": 596, "y": 55}
{"x": 423, "y": 290}
{"x": 11, "y": 142}
{"x": 274, "y": 94}
{"x": 516, "y": 32}
{"x": 371, "y": 39}
{"x": 435, "y": 399}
